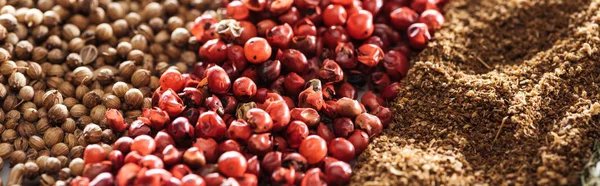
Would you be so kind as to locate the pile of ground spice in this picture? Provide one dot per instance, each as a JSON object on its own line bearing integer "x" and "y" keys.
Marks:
{"x": 507, "y": 93}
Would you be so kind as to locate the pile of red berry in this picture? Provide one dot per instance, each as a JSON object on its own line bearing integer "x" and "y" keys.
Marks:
{"x": 274, "y": 100}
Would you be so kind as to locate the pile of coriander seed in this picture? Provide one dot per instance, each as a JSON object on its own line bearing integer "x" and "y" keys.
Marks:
{"x": 64, "y": 63}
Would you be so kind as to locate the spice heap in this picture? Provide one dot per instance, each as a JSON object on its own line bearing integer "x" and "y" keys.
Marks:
{"x": 273, "y": 100}
{"x": 507, "y": 94}
{"x": 64, "y": 63}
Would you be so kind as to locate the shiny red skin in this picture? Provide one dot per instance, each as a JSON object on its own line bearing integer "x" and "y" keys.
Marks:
{"x": 209, "y": 147}
{"x": 324, "y": 132}
{"x": 117, "y": 159}
{"x": 296, "y": 132}
{"x": 213, "y": 51}
{"x": 343, "y": 127}
{"x": 115, "y": 120}
{"x": 192, "y": 180}
{"x": 330, "y": 71}
{"x": 433, "y": 19}
{"x": 369, "y": 123}
{"x": 309, "y": 116}
{"x": 370, "y": 54}
{"x": 260, "y": 144}
{"x": 239, "y": 130}
{"x": 271, "y": 161}
{"x": 338, "y": 173}
{"x": 229, "y": 145}
{"x": 384, "y": 114}
{"x": 334, "y": 15}
{"x": 253, "y": 166}
{"x": 346, "y": 90}
{"x": 391, "y": 91}
{"x": 172, "y": 79}
{"x": 257, "y": 50}
{"x": 314, "y": 177}
{"x": 210, "y": 125}
{"x": 334, "y": 35}
{"x": 280, "y": 114}
{"x": 103, "y": 179}
{"x": 123, "y": 144}
{"x": 151, "y": 162}
{"x": 93, "y": 154}
{"x": 143, "y": 144}
{"x": 163, "y": 139}
{"x": 418, "y": 36}
{"x": 360, "y": 25}
{"x": 293, "y": 61}
{"x": 170, "y": 155}
{"x": 259, "y": 120}
{"x": 304, "y": 27}
{"x": 236, "y": 10}
{"x": 181, "y": 130}
{"x": 313, "y": 148}
{"x": 293, "y": 84}
{"x": 244, "y": 88}
{"x": 371, "y": 101}
{"x": 373, "y": 6}
{"x": 341, "y": 149}
{"x": 403, "y": 17}
{"x": 360, "y": 140}
{"x": 170, "y": 102}
{"x": 214, "y": 179}
{"x": 218, "y": 80}
{"x": 232, "y": 164}
{"x": 247, "y": 180}
{"x": 280, "y": 36}
{"x": 213, "y": 103}
{"x": 396, "y": 64}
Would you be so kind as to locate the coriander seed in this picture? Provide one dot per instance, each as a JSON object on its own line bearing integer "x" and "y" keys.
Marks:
{"x": 119, "y": 89}
{"x": 104, "y": 32}
{"x": 141, "y": 78}
{"x": 17, "y": 80}
{"x": 26, "y": 93}
{"x": 92, "y": 133}
{"x": 42, "y": 125}
{"x": 51, "y": 98}
{"x": 34, "y": 71}
{"x": 91, "y": 99}
{"x": 97, "y": 113}
{"x": 6, "y": 150}
{"x": 32, "y": 170}
{"x": 36, "y": 142}
{"x": 16, "y": 174}
{"x": 52, "y": 165}
{"x": 133, "y": 97}
{"x": 53, "y": 136}
{"x": 77, "y": 152}
{"x": 9, "y": 135}
{"x": 58, "y": 113}
{"x": 59, "y": 149}
{"x": 51, "y": 19}
{"x": 18, "y": 156}
{"x": 21, "y": 143}
{"x": 76, "y": 166}
{"x": 88, "y": 54}
{"x": 111, "y": 102}
{"x": 34, "y": 17}
{"x": 78, "y": 110}
{"x": 82, "y": 75}
{"x": 30, "y": 115}
{"x": 23, "y": 49}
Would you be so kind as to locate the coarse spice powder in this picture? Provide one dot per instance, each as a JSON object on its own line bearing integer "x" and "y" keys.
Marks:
{"x": 507, "y": 93}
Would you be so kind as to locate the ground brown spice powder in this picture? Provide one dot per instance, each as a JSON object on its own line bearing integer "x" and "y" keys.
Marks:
{"x": 508, "y": 93}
